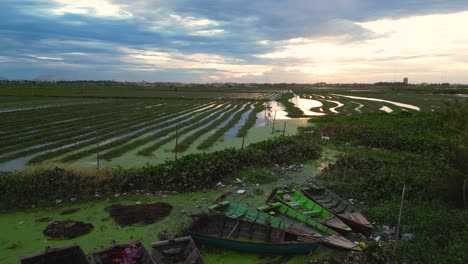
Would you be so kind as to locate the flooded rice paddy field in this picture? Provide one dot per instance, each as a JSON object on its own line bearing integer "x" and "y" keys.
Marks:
{"x": 69, "y": 132}
{"x": 22, "y": 235}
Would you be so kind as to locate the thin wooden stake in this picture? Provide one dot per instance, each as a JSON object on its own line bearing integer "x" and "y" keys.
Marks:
{"x": 273, "y": 127}
{"x": 464, "y": 193}
{"x": 399, "y": 219}
{"x": 284, "y": 128}
{"x": 176, "y": 141}
{"x": 97, "y": 149}
{"x": 346, "y": 168}
{"x": 243, "y": 136}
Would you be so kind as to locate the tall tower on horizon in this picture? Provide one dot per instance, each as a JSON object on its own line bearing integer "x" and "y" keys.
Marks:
{"x": 405, "y": 81}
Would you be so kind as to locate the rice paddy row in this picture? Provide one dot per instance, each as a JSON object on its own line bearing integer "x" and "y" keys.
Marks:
{"x": 74, "y": 132}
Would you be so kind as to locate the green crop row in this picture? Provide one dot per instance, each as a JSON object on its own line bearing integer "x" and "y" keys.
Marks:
{"x": 147, "y": 151}
{"x": 121, "y": 143}
{"x": 72, "y": 130}
{"x": 221, "y": 131}
{"x": 26, "y": 119}
{"x": 104, "y": 134}
{"x": 251, "y": 119}
{"x": 189, "y": 173}
{"x": 186, "y": 142}
{"x": 163, "y": 133}
{"x": 292, "y": 110}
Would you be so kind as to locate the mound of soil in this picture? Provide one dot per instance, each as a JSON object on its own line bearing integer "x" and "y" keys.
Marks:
{"x": 67, "y": 229}
{"x": 138, "y": 213}
{"x": 43, "y": 219}
{"x": 70, "y": 211}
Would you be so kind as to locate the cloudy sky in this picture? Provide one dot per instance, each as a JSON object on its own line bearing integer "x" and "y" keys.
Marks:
{"x": 242, "y": 41}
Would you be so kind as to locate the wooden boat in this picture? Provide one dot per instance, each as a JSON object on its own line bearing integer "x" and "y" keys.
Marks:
{"x": 304, "y": 205}
{"x": 341, "y": 208}
{"x": 72, "y": 254}
{"x": 221, "y": 231}
{"x": 176, "y": 251}
{"x": 244, "y": 213}
{"x": 330, "y": 236}
{"x": 135, "y": 251}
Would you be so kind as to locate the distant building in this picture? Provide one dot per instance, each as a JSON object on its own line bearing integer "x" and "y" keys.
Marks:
{"x": 405, "y": 81}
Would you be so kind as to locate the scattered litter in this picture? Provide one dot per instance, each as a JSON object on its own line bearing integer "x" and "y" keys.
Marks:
{"x": 407, "y": 236}
{"x": 240, "y": 191}
{"x": 238, "y": 180}
{"x": 20, "y": 223}
{"x": 116, "y": 195}
{"x": 138, "y": 203}
{"x": 377, "y": 238}
{"x": 58, "y": 201}
{"x": 220, "y": 184}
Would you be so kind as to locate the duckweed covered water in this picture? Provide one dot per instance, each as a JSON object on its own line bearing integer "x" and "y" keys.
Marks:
{"x": 21, "y": 235}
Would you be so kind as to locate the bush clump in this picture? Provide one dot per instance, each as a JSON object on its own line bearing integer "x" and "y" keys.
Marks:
{"x": 189, "y": 173}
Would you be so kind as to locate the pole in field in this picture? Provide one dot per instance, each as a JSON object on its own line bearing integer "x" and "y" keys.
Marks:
{"x": 97, "y": 149}
{"x": 176, "y": 141}
{"x": 273, "y": 127}
{"x": 284, "y": 128}
{"x": 399, "y": 220}
{"x": 243, "y": 136}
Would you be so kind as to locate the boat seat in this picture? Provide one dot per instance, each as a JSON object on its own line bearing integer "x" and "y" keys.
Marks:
{"x": 295, "y": 203}
{"x": 312, "y": 213}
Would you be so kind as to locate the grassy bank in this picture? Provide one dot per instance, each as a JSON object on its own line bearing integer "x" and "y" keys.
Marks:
{"x": 427, "y": 152}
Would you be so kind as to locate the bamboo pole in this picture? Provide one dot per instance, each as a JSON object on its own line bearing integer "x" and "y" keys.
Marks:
{"x": 176, "y": 141}
{"x": 399, "y": 220}
{"x": 464, "y": 193}
{"x": 284, "y": 128}
{"x": 273, "y": 127}
{"x": 97, "y": 149}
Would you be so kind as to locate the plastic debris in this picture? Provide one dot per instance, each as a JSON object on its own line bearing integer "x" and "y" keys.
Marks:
{"x": 240, "y": 191}
{"x": 377, "y": 238}
{"x": 407, "y": 236}
{"x": 362, "y": 244}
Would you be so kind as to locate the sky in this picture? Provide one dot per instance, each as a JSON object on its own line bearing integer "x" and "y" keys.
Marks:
{"x": 300, "y": 41}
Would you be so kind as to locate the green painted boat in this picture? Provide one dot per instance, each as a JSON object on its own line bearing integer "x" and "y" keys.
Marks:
{"x": 341, "y": 208}
{"x": 304, "y": 205}
{"x": 244, "y": 213}
{"x": 330, "y": 236}
{"x": 221, "y": 231}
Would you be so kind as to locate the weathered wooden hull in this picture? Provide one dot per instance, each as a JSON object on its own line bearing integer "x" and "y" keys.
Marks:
{"x": 176, "y": 251}
{"x": 341, "y": 208}
{"x": 254, "y": 247}
{"x": 221, "y": 231}
{"x": 306, "y": 206}
{"x": 72, "y": 254}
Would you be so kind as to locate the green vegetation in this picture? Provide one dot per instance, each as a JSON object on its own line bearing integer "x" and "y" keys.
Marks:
{"x": 425, "y": 151}
{"x": 189, "y": 173}
{"x": 187, "y": 141}
{"x": 211, "y": 140}
{"x": 292, "y": 110}
{"x": 250, "y": 120}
